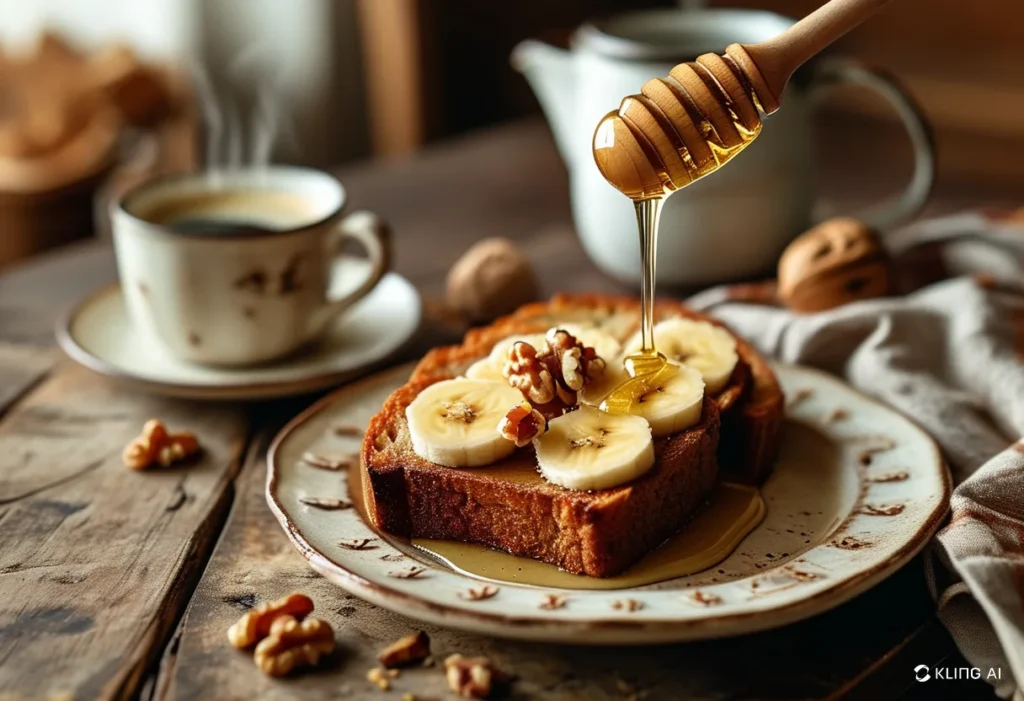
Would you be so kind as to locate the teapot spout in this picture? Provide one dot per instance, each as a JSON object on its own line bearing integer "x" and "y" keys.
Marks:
{"x": 550, "y": 71}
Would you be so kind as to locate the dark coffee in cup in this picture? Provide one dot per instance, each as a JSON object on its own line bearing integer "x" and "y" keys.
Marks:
{"x": 230, "y": 212}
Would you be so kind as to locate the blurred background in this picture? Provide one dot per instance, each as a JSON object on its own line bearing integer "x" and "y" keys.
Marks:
{"x": 323, "y": 82}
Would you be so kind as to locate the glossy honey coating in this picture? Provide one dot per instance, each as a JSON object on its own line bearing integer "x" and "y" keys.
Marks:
{"x": 678, "y": 129}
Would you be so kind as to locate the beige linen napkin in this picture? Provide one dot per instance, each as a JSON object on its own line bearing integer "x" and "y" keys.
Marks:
{"x": 949, "y": 357}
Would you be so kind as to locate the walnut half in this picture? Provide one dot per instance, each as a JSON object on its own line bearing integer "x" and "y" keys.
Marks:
{"x": 551, "y": 378}
{"x": 157, "y": 446}
{"x": 255, "y": 625}
{"x": 293, "y": 644}
{"x": 837, "y": 262}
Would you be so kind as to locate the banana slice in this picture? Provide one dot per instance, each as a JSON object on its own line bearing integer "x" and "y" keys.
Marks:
{"x": 489, "y": 368}
{"x": 591, "y": 449}
{"x": 455, "y": 422}
{"x": 606, "y": 346}
{"x": 595, "y": 391}
{"x": 703, "y": 346}
{"x": 674, "y": 404}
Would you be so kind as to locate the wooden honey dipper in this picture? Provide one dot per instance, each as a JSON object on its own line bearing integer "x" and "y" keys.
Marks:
{"x": 688, "y": 124}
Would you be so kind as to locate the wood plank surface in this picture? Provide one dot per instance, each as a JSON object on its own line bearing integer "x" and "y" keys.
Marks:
{"x": 97, "y": 561}
{"x": 33, "y": 296}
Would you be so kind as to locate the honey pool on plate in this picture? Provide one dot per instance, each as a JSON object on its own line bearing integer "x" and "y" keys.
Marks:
{"x": 732, "y": 512}
{"x": 799, "y": 493}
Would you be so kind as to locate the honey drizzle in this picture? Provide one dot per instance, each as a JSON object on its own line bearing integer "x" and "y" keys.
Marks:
{"x": 648, "y": 367}
{"x": 648, "y": 215}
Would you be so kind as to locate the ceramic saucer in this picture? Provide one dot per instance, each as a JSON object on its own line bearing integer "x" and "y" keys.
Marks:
{"x": 98, "y": 334}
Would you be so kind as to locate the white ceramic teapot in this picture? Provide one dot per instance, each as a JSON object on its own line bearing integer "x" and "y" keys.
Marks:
{"x": 733, "y": 223}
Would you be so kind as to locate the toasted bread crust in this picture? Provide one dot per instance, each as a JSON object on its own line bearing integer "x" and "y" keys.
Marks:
{"x": 594, "y": 533}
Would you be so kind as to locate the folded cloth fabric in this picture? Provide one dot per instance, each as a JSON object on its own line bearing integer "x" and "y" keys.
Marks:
{"x": 949, "y": 356}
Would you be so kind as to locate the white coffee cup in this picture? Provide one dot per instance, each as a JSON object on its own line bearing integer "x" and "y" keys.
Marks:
{"x": 236, "y": 267}
{"x": 733, "y": 223}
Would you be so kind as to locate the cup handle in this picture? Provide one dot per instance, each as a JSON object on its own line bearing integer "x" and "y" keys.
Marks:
{"x": 374, "y": 235}
{"x": 907, "y": 204}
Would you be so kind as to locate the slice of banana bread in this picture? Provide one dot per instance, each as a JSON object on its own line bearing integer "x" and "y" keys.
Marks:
{"x": 509, "y": 506}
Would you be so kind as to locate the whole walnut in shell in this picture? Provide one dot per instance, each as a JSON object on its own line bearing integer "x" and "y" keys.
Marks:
{"x": 492, "y": 278}
{"x": 836, "y": 262}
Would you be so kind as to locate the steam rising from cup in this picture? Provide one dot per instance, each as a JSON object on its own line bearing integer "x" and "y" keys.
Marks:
{"x": 242, "y": 130}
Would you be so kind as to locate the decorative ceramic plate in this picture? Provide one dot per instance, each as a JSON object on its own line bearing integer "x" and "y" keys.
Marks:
{"x": 98, "y": 334}
{"x": 857, "y": 491}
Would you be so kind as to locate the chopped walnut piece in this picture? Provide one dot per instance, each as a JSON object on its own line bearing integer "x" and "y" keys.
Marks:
{"x": 522, "y": 424}
{"x": 472, "y": 677}
{"x": 550, "y": 378}
{"x": 255, "y": 625}
{"x": 379, "y": 678}
{"x": 292, "y": 644}
{"x": 157, "y": 446}
{"x": 409, "y": 650}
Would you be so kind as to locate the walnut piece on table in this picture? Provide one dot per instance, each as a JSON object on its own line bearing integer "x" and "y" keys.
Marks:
{"x": 255, "y": 625}
{"x": 379, "y": 678}
{"x": 473, "y": 677}
{"x": 158, "y": 446}
{"x": 292, "y": 644}
{"x": 412, "y": 649}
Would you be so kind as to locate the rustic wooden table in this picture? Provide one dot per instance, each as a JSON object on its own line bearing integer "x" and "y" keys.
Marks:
{"x": 122, "y": 584}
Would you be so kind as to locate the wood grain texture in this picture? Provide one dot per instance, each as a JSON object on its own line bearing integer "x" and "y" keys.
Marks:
{"x": 34, "y": 295}
{"x": 778, "y": 57}
{"x": 21, "y": 367}
{"x": 97, "y": 561}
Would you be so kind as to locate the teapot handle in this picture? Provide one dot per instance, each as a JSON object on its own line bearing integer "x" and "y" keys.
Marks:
{"x": 907, "y": 204}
